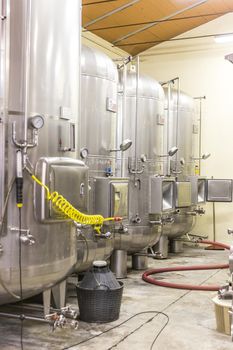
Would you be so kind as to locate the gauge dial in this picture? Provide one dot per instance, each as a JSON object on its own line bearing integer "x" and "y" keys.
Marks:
{"x": 83, "y": 153}
{"x": 37, "y": 122}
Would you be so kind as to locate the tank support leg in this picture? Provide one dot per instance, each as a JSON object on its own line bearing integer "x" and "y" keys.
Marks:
{"x": 140, "y": 262}
{"x": 59, "y": 294}
{"x": 162, "y": 247}
{"x": 118, "y": 263}
{"x": 47, "y": 301}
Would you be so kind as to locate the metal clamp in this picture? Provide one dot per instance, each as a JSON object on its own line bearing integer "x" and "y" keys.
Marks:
{"x": 133, "y": 171}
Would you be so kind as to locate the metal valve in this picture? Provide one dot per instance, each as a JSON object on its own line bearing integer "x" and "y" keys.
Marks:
{"x": 168, "y": 220}
{"x": 27, "y": 239}
{"x": 123, "y": 229}
{"x": 200, "y": 211}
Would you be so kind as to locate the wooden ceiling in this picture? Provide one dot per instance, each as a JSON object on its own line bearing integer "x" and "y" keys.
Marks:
{"x": 125, "y": 26}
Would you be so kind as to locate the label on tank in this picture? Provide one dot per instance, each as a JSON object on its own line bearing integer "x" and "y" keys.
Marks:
{"x": 160, "y": 119}
{"x": 111, "y": 105}
{"x": 195, "y": 129}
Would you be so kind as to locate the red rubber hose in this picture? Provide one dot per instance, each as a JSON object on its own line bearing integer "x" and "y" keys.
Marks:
{"x": 148, "y": 279}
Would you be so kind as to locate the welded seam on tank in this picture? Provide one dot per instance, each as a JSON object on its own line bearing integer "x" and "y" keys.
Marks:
{"x": 99, "y": 77}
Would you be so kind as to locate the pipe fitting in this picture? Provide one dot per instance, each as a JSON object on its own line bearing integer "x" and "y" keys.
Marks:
{"x": 27, "y": 239}
{"x": 168, "y": 220}
{"x": 156, "y": 222}
{"x": 191, "y": 213}
{"x": 136, "y": 219}
{"x": 123, "y": 229}
{"x": 200, "y": 211}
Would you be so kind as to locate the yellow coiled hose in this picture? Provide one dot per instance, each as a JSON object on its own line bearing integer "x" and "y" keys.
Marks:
{"x": 72, "y": 213}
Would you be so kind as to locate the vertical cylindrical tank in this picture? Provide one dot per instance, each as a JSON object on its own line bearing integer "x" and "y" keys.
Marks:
{"x": 180, "y": 131}
{"x": 98, "y": 111}
{"x": 181, "y": 119}
{"x": 96, "y": 138}
{"x": 142, "y": 120}
{"x": 41, "y": 51}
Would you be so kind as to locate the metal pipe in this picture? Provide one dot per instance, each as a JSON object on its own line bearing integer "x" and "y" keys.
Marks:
{"x": 173, "y": 39}
{"x": 168, "y": 127}
{"x": 108, "y": 14}
{"x": 162, "y": 83}
{"x": 177, "y": 119}
{"x": 23, "y": 317}
{"x": 200, "y": 98}
{"x": 168, "y": 83}
{"x": 123, "y": 115}
{"x": 136, "y": 116}
{"x": 156, "y": 23}
{"x": 27, "y": 33}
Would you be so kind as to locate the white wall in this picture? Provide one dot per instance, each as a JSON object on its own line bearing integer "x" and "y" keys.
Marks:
{"x": 202, "y": 69}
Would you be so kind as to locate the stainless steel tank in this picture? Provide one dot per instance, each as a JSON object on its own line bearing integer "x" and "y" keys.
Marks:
{"x": 97, "y": 137}
{"x": 181, "y": 130}
{"x": 40, "y": 59}
{"x": 142, "y": 121}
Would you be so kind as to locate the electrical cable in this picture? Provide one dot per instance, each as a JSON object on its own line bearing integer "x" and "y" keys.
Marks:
{"x": 139, "y": 327}
{"x": 157, "y": 282}
{"x": 120, "y": 324}
{"x": 162, "y": 311}
{"x": 66, "y": 208}
{"x": 20, "y": 278}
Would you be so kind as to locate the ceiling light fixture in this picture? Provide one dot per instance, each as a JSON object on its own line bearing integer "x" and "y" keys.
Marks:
{"x": 229, "y": 57}
{"x": 225, "y": 38}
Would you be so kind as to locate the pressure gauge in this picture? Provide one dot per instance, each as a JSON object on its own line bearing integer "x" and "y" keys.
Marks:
{"x": 36, "y": 122}
{"x": 84, "y": 153}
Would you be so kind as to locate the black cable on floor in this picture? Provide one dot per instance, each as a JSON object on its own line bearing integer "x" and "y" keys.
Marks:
{"x": 20, "y": 279}
{"x": 136, "y": 329}
{"x": 120, "y": 324}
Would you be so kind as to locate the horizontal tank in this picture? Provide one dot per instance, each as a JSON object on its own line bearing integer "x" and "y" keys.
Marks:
{"x": 40, "y": 47}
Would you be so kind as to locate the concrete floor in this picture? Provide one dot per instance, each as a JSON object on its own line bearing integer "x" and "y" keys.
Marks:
{"x": 192, "y": 320}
